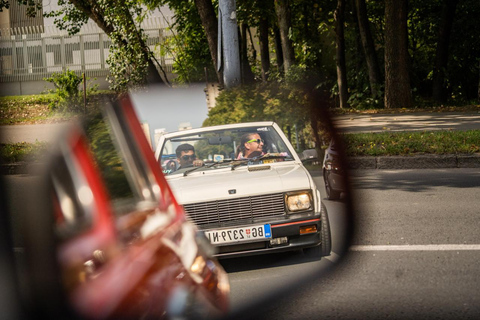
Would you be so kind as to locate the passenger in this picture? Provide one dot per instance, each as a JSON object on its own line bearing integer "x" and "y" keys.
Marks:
{"x": 251, "y": 145}
{"x": 186, "y": 156}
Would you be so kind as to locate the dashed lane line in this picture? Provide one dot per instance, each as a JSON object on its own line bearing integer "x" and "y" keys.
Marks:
{"x": 424, "y": 247}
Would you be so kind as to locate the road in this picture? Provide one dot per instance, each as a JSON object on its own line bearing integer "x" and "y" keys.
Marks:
{"x": 31, "y": 132}
{"x": 415, "y": 254}
{"x": 355, "y": 123}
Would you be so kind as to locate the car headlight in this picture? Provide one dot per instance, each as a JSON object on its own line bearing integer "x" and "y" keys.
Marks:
{"x": 299, "y": 202}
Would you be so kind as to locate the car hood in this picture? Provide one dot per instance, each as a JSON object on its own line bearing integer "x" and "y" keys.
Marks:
{"x": 225, "y": 183}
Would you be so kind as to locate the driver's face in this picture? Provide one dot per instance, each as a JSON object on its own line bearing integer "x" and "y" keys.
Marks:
{"x": 254, "y": 145}
{"x": 187, "y": 158}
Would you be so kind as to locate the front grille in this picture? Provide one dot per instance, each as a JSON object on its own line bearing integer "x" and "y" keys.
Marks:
{"x": 245, "y": 208}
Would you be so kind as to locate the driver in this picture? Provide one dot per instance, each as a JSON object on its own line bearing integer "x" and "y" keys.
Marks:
{"x": 186, "y": 156}
{"x": 251, "y": 145}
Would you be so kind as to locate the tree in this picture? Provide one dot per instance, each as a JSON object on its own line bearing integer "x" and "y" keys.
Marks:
{"x": 247, "y": 75}
{"x": 32, "y": 6}
{"x": 443, "y": 42}
{"x": 263, "y": 29}
{"x": 397, "y": 81}
{"x": 278, "y": 48}
{"x": 368, "y": 46}
{"x": 210, "y": 25}
{"x": 282, "y": 8}
{"x": 340, "y": 53}
{"x": 131, "y": 61}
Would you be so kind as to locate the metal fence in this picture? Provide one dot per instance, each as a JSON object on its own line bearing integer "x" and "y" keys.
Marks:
{"x": 33, "y": 56}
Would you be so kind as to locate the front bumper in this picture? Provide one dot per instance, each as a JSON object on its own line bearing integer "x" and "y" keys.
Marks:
{"x": 286, "y": 228}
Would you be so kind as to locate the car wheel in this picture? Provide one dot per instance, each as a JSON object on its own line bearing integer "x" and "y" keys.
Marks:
{"x": 331, "y": 194}
{"x": 325, "y": 247}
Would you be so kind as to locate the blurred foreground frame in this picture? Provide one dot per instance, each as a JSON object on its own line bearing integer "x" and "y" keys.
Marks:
{"x": 68, "y": 261}
{"x": 47, "y": 295}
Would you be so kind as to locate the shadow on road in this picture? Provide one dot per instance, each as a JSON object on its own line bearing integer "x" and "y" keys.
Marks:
{"x": 415, "y": 180}
{"x": 270, "y": 260}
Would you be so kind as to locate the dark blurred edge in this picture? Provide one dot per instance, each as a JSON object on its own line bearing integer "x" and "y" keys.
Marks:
{"x": 45, "y": 296}
{"x": 10, "y": 299}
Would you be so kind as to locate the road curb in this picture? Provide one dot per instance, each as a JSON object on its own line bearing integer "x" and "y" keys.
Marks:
{"x": 416, "y": 162}
{"x": 20, "y": 168}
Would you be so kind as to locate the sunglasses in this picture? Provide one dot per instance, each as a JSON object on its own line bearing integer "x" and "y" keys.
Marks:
{"x": 257, "y": 141}
{"x": 188, "y": 157}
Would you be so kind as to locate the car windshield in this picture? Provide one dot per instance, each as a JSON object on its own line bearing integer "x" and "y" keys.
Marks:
{"x": 211, "y": 150}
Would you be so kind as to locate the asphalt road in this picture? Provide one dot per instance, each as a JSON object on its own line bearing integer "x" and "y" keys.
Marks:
{"x": 355, "y": 123}
{"x": 31, "y": 132}
{"x": 415, "y": 254}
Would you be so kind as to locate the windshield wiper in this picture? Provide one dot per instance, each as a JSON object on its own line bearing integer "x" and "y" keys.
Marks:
{"x": 255, "y": 159}
{"x": 206, "y": 166}
{"x": 237, "y": 162}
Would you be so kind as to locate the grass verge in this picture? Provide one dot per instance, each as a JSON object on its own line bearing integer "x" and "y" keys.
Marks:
{"x": 23, "y": 151}
{"x": 412, "y": 143}
{"x": 36, "y": 108}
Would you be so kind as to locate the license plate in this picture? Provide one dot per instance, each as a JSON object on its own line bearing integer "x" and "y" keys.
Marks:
{"x": 269, "y": 161}
{"x": 230, "y": 235}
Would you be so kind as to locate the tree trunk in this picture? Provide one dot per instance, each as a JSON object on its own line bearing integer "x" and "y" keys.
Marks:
{"x": 441, "y": 57}
{"x": 478, "y": 93}
{"x": 340, "y": 53}
{"x": 368, "y": 47}
{"x": 264, "y": 52}
{"x": 278, "y": 49}
{"x": 282, "y": 9}
{"x": 247, "y": 74}
{"x": 210, "y": 25}
{"x": 397, "y": 80}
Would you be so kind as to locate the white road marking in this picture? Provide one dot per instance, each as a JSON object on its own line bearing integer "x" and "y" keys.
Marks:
{"x": 424, "y": 247}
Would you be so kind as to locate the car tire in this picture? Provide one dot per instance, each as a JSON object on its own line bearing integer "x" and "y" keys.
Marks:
{"x": 325, "y": 247}
{"x": 331, "y": 194}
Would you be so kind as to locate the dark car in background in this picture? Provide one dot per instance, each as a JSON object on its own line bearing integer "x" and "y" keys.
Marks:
{"x": 106, "y": 237}
{"x": 333, "y": 172}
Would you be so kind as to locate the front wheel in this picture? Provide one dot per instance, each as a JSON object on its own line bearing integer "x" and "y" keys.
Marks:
{"x": 325, "y": 247}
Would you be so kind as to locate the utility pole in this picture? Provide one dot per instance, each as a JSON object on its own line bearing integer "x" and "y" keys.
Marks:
{"x": 228, "y": 46}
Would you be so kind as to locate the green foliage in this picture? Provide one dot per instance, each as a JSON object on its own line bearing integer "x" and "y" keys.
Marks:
{"x": 313, "y": 37}
{"x": 284, "y": 101}
{"x": 363, "y": 100}
{"x": 18, "y": 101}
{"x": 407, "y": 143}
{"x": 68, "y": 18}
{"x": 22, "y": 151}
{"x": 107, "y": 157}
{"x": 129, "y": 54}
{"x": 188, "y": 43}
{"x": 69, "y": 98}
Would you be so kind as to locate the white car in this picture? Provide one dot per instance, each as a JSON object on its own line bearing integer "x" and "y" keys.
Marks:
{"x": 245, "y": 187}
